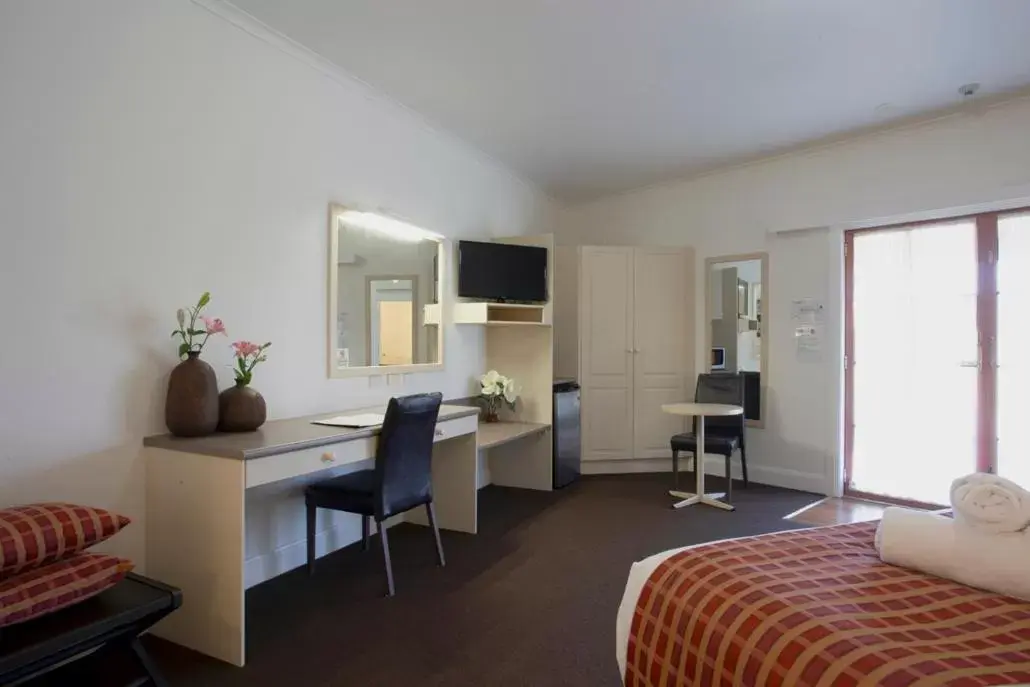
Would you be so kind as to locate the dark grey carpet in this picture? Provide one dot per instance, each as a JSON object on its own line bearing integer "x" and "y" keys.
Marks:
{"x": 528, "y": 602}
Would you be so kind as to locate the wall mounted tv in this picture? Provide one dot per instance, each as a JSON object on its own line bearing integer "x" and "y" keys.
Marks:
{"x": 502, "y": 272}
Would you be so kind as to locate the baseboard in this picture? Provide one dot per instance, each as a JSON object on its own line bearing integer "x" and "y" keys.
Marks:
{"x": 265, "y": 566}
{"x": 760, "y": 474}
{"x": 625, "y": 467}
{"x": 781, "y": 477}
{"x": 284, "y": 559}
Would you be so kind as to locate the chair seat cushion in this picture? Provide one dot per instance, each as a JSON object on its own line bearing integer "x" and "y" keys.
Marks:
{"x": 714, "y": 443}
{"x": 353, "y": 493}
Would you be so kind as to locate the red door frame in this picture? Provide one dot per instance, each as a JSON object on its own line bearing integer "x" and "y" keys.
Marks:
{"x": 987, "y": 328}
{"x": 849, "y": 356}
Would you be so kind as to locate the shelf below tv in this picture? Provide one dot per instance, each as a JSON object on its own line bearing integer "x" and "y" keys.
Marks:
{"x": 491, "y": 313}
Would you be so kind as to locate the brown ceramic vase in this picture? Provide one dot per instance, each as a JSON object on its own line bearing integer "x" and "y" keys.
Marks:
{"x": 191, "y": 405}
{"x": 240, "y": 409}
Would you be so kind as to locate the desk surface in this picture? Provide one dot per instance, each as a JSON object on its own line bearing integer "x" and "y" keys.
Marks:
{"x": 283, "y": 436}
{"x": 492, "y": 434}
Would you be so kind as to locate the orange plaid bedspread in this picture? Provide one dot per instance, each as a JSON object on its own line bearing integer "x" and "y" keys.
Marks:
{"x": 818, "y": 608}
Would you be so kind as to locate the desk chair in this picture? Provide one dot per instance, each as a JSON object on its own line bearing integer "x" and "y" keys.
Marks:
{"x": 400, "y": 481}
{"x": 723, "y": 435}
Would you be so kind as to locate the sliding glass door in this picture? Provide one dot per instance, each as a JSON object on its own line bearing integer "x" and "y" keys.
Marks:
{"x": 936, "y": 369}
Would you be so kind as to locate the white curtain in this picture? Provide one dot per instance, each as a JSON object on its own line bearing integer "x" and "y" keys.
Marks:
{"x": 1014, "y": 347}
{"x": 915, "y": 393}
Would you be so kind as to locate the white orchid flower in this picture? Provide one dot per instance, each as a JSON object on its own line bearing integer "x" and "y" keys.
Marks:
{"x": 490, "y": 389}
{"x": 511, "y": 393}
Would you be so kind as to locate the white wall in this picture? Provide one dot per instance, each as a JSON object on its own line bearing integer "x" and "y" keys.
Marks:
{"x": 152, "y": 150}
{"x": 962, "y": 162}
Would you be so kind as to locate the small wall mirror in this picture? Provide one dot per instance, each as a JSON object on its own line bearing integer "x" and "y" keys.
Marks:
{"x": 384, "y": 295}
{"x": 737, "y": 292}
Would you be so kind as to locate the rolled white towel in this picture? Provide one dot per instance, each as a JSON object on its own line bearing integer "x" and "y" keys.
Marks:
{"x": 943, "y": 547}
{"x": 990, "y": 503}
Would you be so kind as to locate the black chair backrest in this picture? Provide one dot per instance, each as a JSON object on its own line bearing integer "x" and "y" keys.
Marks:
{"x": 404, "y": 453}
{"x": 726, "y": 388}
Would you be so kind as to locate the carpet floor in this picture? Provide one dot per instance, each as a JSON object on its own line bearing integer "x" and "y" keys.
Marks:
{"x": 528, "y": 602}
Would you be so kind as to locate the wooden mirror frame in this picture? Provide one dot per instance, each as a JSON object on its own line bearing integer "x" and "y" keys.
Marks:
{"x": 332, "y": 314}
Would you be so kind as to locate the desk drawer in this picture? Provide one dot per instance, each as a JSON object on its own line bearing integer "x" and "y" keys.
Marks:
{"x": 448, "y": 429}
{"x": 305, "y": 461}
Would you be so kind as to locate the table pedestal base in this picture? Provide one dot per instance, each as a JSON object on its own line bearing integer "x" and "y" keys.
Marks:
{"x": 707, "y": 499}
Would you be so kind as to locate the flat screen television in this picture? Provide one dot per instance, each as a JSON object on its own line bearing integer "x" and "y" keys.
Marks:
{"x": 502, "y": 272}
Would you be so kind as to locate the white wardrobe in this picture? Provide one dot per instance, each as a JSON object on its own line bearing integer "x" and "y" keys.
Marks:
{"x": 624, "y": 327}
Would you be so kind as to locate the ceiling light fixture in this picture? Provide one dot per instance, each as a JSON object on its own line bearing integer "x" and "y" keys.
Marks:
{"x": 387, "y": 226}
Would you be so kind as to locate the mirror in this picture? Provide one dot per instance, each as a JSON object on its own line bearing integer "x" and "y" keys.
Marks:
{"x": 736, "y": 322}
{"x": 384, "y": 295}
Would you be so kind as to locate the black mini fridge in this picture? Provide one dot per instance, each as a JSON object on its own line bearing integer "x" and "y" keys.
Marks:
{"x": 565, "y": 431}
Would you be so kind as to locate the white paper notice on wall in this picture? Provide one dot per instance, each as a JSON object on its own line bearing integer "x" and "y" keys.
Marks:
{"x": 807, "y": 311}
{"x": 808, "y": 341}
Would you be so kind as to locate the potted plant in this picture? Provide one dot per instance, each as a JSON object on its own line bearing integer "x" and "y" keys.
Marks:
{"x": 496, "y": 391}
{"x": 191, "y": 403}
{"x": 240, "y": 407}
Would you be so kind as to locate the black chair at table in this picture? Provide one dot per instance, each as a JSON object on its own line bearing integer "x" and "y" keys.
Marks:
{"x": 400, "y": 481}
{"x": 723, "y": 434}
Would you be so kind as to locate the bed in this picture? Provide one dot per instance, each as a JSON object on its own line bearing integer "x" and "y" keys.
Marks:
{"x": 812, "y": 608}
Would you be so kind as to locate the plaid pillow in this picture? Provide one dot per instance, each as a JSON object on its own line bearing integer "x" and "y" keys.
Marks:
{"x": 41, "y": 533}
{"x": 43, "y": 590}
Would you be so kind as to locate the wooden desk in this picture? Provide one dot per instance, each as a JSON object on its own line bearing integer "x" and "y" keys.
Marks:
{"x": 492, "y": 434}
{"x": 197, "y": 499}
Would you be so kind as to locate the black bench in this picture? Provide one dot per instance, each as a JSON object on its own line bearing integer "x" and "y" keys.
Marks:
{"x": 109, "y": 622}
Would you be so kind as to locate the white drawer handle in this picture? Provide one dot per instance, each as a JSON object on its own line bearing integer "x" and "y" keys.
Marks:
{"x": 439, "y": 432}
{"x": 328, "y": 457}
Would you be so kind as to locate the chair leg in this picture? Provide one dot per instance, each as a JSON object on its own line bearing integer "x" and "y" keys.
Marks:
{"x": 675, "y": 469}
{"x": 693, "y": 479}
{"x": 311, "y": 538}
{"x": 386, "y": 557}
{"x": 364, "y": 532}
{"x": 431, "y": 514}
{"x": 743, "y": 464}
{"x": 729, "y": 479}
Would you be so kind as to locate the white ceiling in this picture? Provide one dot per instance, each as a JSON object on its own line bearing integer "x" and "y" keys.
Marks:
{"x": 586, "y": 98}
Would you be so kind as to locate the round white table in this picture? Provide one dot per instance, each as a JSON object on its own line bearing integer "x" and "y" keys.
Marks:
{"x": 701, "y": 411}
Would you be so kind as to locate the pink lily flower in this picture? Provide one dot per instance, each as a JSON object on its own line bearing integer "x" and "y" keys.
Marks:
{"x": 213, "y": 325}
{"x": 245, "y": 349}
